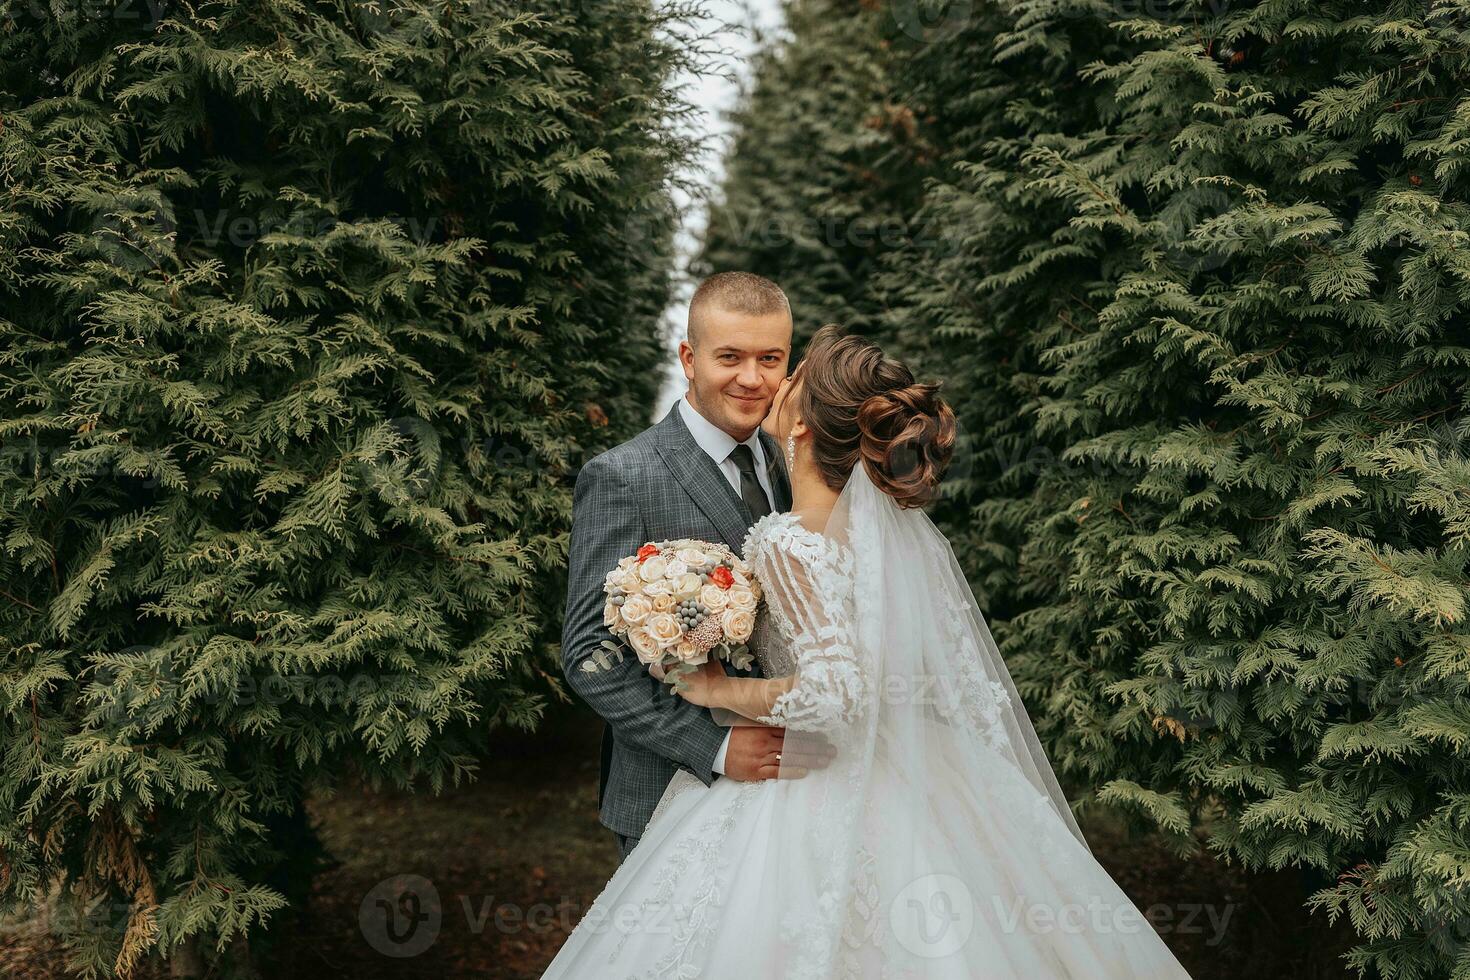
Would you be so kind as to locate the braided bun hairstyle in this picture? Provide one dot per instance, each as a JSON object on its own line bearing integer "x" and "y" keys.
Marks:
{"x": 863, "y": 405}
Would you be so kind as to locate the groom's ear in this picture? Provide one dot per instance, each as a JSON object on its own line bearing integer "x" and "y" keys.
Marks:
{"x": 686, "y": 359}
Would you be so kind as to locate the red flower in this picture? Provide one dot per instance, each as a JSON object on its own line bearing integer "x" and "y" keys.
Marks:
{"x": 646, "y": 552}
{"x": 721, "y": 576}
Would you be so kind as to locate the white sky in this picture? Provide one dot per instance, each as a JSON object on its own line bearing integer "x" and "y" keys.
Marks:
{"x": 735, "y": 23}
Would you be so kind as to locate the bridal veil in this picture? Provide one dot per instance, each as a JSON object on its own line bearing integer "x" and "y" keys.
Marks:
{"x": 898, "y": 671}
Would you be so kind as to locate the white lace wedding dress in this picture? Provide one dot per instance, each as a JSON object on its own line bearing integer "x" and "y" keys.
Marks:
{"x": 936, "y": 844}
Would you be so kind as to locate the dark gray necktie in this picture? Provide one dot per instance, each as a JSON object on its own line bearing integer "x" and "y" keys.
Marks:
{"x": 750, "y": 485}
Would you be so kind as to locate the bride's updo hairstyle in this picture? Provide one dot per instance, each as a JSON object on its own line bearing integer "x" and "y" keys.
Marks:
{"x": 863, "y": 405}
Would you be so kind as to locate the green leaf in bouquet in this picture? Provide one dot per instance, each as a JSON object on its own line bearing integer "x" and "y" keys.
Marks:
{"x": 599, "y": 659}
{"x": 674, "y": 677}
{"x": 741, "y": 657}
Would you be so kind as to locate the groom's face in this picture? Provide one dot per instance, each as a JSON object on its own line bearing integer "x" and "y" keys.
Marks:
{"x": 735, "y": 366}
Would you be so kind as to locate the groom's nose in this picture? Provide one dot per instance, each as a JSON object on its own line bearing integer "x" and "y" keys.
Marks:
{"x": 750, "y": 375}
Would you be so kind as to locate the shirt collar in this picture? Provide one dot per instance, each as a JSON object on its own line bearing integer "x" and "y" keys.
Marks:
{"x": 715, "y": 441}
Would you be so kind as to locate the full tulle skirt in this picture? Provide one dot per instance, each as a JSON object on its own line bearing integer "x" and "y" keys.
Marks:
{"x": 731, "y": 881}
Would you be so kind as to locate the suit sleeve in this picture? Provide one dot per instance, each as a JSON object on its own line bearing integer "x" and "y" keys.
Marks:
{"x": 607, "y": 526}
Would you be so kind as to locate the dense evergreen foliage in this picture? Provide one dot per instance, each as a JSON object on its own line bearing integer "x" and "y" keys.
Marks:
{"x": 309, "y": 309}
{"x": 1196, "y": 277}
{"x": 824, "y": 169}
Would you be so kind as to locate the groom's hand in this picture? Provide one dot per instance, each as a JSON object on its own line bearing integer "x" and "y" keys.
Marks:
{"x": 753, "y": 752}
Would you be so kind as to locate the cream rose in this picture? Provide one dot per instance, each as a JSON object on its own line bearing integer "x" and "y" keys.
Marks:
{"x": 663, "y": 603}
{"x": 629, "y": 580}
{"x": 636, "y": 609}
{"x": 661, "y": 587}
{"x": 689, "y": 653}
{"x": 740, "y": 597}
{"x": 610, "y": 615}
{"x": 692, "y": 557}
{"x": 644, "y": 645}
{"x": 664, "y": 629}
{"x": 738, "y": 624}
{"x": 653, "y": 569}
{"x": 713, "y": 557}
{"x": 687, "y": 585}
{"x": 714, "y": 598}
{"x": 739, "y": 577}
{"x": 675, "y": 569}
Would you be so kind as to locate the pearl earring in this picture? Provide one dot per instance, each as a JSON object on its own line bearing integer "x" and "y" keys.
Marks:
{"x": 790, "y": 453}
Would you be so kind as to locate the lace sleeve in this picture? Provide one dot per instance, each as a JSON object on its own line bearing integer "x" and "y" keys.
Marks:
{"x": 808, "y": 586}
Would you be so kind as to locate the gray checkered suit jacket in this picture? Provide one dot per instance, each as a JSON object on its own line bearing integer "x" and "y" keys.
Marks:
{"x": 655, "y": 486}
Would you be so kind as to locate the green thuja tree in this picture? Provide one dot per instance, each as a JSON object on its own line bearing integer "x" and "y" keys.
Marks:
{"x": 1195, "y": 274}
{"x": 308, "y": 313}
{"x": 824, "y": 167}
{"x": 1229, "y": 257}
{"x": 978, "y": 290}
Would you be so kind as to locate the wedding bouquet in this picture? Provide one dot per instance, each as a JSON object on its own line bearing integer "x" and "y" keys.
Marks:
{"x": 677, "y": 602}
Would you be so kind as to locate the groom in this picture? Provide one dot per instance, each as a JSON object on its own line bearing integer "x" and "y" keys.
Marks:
{"x": 706, "y": 471}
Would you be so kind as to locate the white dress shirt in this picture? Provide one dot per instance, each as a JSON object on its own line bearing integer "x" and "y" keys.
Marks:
{"x": 718, "y": 445}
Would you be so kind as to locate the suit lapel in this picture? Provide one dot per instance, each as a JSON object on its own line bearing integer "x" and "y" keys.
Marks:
{"x": 702, "y": 480}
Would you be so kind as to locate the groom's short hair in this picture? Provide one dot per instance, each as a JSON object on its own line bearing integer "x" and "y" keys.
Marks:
{"x": 735, "y": 292}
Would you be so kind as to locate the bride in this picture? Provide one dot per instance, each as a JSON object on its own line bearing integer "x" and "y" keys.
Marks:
{"x": 934, "y": 842}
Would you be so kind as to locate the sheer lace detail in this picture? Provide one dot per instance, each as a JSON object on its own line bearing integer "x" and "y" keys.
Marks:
{"x": 772, "y": 648}
{"x": 808, "y": 581}
{"x": 700, "y": 855}
{"x": 684, "y": 781}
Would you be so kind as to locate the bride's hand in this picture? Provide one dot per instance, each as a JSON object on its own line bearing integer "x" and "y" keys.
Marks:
{"x": 703, "y": 686}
